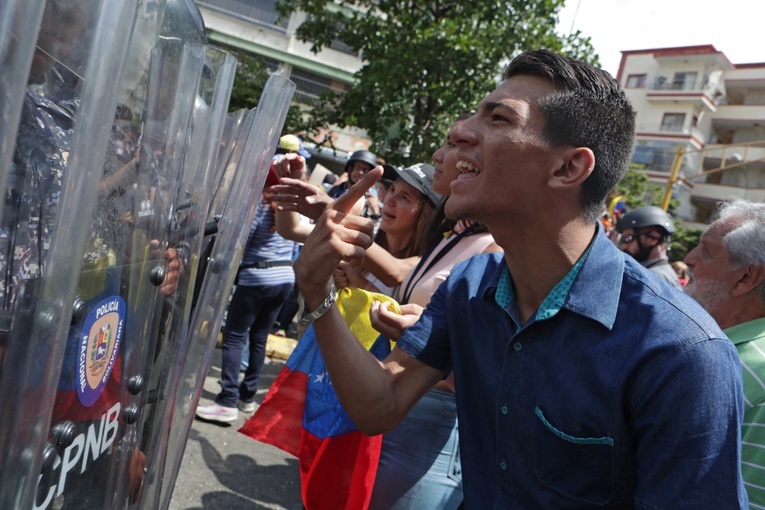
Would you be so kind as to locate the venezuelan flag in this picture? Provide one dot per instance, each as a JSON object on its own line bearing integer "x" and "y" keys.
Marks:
{"x": 302, "y": 416}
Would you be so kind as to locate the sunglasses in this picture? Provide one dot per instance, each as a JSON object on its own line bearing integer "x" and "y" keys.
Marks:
{"x": 361, "y": 166}
{"x": 631, "y": 237}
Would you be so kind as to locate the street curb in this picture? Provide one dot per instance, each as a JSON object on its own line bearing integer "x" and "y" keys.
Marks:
{"x": 279, "y": 347}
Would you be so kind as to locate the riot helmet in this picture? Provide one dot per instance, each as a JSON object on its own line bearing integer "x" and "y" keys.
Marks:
{"x": 646, "y": 216}
{"x": 650, "y": 226}
{"x": 362, "y": 155}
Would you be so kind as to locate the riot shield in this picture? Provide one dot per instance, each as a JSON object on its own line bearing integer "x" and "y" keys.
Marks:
{"x": 187, "y": 231}
{"x": 127, "y": 272}
{"x": 184, "y": 21}
{"x": 60, "y": 137}
{"x": 235, "y": 131}
{"x": 19, "y": 21}
{"x": 237, "y": 214}
{"x": 236, "y": 123}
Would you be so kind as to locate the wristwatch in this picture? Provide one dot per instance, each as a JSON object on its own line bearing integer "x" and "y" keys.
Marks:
{"x": 307, "y": 318}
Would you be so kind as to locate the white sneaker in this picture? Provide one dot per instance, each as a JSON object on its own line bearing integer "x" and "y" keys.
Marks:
{"x": 245, "y": 407}
{"x": 214, "y": 412}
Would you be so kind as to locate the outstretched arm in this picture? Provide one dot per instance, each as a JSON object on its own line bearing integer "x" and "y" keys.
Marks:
{"x": 300, "y": 196}
{"x": 387, "y": 268}
{"x": 292, "y": 168}
{"x": 289, "y": 226}
{"x": 375, "y": 394}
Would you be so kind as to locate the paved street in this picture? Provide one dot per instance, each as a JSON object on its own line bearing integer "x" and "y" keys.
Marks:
{"x": 223, "y": 469}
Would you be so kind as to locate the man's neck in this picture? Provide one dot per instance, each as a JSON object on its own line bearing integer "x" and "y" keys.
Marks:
{"x": 538, "y": 260}
{"x": 739, "y": 311}
{"x": 654, "y": 262}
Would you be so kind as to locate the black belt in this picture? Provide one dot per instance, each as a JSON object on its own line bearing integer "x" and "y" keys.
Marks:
{"x": 265, "y": 264}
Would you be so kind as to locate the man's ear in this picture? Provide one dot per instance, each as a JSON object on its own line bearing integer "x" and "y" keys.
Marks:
{"x": 749, "y": 278}
{"x": 576, "y": 166}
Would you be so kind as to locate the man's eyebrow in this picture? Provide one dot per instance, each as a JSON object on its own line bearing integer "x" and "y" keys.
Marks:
{"x": 490, "y": 106}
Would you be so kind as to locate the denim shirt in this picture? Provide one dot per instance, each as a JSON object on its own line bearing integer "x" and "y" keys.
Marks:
{"x": 629, "y": 396}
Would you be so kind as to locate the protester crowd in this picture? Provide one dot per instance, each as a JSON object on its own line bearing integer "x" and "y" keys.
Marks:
{"x": 540, "y": 358}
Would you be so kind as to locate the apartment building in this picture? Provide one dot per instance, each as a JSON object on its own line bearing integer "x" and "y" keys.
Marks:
{"x": 256, "y": 27}
{"x": 693, "y": 98}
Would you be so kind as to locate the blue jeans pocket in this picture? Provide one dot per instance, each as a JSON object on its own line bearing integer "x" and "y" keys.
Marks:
{"x": 580, "y": 468}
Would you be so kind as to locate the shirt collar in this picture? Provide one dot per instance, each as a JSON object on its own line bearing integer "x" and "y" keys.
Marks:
{"x": 595, "y": 293}
{"x": 591, "y": 288}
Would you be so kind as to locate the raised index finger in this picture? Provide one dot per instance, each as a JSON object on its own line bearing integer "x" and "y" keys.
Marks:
{"x": 346, "y": 201}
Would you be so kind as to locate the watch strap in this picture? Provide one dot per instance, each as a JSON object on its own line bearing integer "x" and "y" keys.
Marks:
{"x": 308, "y": 318}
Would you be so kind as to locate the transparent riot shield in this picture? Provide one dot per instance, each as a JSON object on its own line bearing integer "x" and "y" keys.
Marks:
{"x": 61, "y": 136}
{"x": 237, "y": 213}
{"x": 235, "y": 132}
{"x": 19, "y": 21}
{"x": 187, "y": 231}
{"x": 235, "y": 123}
{"x": 127, "y": 272}
{"x": 184, "y": 21}
{"x": 238, "y": 124}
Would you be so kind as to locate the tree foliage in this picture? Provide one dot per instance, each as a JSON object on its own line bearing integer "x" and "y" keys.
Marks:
{"x": 425, "y": 61}
{"x": 251, "y": 76}
{"x": 637, "y": 191}
{"x": 683, "y": 240}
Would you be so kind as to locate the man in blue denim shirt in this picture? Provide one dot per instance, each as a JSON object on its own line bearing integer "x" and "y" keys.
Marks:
{"x": 582, "y": 380}
{"x": 618, "y": 391}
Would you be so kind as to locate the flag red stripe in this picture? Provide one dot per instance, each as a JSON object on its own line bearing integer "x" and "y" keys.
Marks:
{"x": 279, "y": 421}
{"x": 338, "y": 472}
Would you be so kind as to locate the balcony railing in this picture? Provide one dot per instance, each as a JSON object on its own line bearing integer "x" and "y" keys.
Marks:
{"x": 262, "y": 12}
{"x": 668, "y": 85}
{"x": 710, "y": 85}
{"x": 718, "y": 193}
{"x": 659, "y": 128}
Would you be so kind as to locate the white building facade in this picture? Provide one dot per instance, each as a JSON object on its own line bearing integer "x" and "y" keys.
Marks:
{"x": 693, "y": 98}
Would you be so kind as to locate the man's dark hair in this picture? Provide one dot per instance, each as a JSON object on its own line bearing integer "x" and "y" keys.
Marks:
{"x": 587, "y": 109}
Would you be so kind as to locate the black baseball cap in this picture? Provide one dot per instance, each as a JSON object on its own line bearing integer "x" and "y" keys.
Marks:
{"x": 420, "y": 176}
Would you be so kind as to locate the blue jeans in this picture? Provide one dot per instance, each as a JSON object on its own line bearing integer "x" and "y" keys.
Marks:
{"x": 253, "y": 308}
{"x": 420, "y": 462}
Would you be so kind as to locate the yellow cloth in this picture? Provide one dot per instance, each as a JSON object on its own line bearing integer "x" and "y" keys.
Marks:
{"x": 354, "y": 304}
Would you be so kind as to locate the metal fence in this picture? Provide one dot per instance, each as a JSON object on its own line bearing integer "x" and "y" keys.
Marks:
{"x": 311, "y": 86}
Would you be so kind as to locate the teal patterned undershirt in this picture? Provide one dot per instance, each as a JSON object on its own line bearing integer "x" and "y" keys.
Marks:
{"x": 554, "y": 301}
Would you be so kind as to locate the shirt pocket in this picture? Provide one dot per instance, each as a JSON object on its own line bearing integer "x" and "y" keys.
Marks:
{"x": 581, "y": 468}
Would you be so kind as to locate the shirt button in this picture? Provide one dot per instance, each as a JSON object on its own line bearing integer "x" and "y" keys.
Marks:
{"x": 504, "y": 409}
{"x": 503, "y": 465}
{"x": 517, "y": 346}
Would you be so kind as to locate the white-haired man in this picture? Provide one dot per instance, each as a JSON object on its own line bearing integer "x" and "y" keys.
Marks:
{"x": 727, "y": 277}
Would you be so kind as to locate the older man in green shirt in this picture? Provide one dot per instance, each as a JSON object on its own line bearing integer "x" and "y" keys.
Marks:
{"x": 727, "y": 277}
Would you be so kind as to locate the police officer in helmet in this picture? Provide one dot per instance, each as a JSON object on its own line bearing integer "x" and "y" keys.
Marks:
{"x": 644, "y": 233}
{"x": 360, "y": 162}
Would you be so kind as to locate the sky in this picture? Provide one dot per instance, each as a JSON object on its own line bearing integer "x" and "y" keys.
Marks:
{"x": 734, "y": 27}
